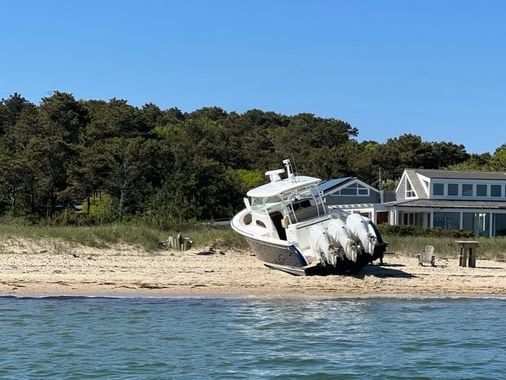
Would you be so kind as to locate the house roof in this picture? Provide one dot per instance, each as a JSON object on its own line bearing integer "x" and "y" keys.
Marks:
{"x": 443, "y": 203}
{"x": 455, "y": 174}
{"x": 332, "y": 183}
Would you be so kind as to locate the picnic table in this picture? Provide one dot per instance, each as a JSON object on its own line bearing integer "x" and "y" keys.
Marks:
{"x": 467, "y": 252}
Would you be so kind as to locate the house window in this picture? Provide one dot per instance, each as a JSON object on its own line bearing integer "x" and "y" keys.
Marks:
{"x": 348, "y": 191}
{"x": 447, "y": 220}
{"x": 410, "y": 192}
{"x": 362, "y": 190}
{"x": 478, "y": 223}
{"x": 500, "y": 224}
{"x": 481, "y": 190}
{"x": 467, "y": 190}
{"x": 495, "y": 190}
{"x": 355, "y": 189}
{"x": 412, "y": 219}
{"x": 453, "y": 189}
{"x": 438, "y": 189}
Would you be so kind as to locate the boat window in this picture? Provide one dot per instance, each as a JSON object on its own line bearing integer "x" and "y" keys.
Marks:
{"x": 260, "y": 223}
{"x": 301, "y": 204}
{"x": 260, "y": 203}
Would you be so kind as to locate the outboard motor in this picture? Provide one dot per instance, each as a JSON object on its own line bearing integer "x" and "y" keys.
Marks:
{"x": 361, "y": 227}
{"x": 343, "y": 238}
{"x": 320, "y": 244}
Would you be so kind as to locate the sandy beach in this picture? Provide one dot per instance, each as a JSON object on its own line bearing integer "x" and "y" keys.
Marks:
{"x": 46, "y": 269}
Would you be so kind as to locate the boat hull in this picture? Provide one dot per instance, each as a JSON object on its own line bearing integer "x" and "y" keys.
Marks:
{"x": 289, "y": 259}
{"x": 278, "y": 254}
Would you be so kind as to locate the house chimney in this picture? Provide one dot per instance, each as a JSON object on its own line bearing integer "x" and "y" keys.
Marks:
{"x": 382, "y": 192}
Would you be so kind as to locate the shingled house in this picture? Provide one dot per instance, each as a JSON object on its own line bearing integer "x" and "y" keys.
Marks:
{"x": 468, "y": 200}
{"x": 353, "y": 195}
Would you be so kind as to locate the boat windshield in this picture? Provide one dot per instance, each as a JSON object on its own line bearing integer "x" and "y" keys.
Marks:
{"x": 261, "y": 203}
{"x": 305, "y": 204}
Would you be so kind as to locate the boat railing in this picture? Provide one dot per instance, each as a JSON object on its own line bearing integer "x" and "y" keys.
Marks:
{"x": 302, "y": 212}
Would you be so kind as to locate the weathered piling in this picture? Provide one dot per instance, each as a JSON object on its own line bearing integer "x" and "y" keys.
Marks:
{"x": 178, "y": 243}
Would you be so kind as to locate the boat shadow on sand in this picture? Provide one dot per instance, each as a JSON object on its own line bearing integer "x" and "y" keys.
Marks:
{"x": 382, "y": 272}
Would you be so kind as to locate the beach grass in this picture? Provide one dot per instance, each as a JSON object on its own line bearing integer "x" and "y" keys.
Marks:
{"x": 445, "y": 247}
{"x": 149, "y": 239}
{"x": 104, "y": 236}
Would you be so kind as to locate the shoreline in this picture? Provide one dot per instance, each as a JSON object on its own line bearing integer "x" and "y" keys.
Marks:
{"x": 283, "y": 297}
{"x": 130, "y": 272}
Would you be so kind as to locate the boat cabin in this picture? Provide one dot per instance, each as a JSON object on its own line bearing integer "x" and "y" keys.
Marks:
{"x": 276, "y": 207}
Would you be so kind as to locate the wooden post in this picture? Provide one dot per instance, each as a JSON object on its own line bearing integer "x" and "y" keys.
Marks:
{"x": 179, "y": 242}
{"x": 472, "y": 257}
{"x": 462, "y": 256}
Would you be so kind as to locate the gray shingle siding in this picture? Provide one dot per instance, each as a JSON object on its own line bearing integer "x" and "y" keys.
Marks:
{"x": 401, "y": 191}
{"x": 415, "y": 182}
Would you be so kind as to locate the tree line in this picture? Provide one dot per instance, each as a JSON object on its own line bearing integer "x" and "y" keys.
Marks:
{"x": 113, "y": 161}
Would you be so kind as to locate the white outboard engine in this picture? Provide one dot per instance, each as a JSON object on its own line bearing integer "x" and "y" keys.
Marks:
{"x": 343, "y": 237}
{"x": 361, "y": 228}
{"x": 320, "y": 244}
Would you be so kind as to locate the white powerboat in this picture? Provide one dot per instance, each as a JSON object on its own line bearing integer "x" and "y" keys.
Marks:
{"x": 289, "y": 227}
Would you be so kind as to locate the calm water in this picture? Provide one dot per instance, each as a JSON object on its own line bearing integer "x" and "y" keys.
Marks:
{"x": 252, "y": 338}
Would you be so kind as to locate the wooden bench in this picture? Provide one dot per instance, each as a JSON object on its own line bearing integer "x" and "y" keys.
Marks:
{"x": 427, "y": 257}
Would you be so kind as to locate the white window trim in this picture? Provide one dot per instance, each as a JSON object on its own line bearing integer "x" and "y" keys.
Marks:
{"x": 425, "y": 181}
{"x": 358, "y": 182}
{"x": 412, "y": 189}
{"x": 474, "y": 184}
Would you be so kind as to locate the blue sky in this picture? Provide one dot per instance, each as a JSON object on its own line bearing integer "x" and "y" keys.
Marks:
{"x": 433, "y": 68}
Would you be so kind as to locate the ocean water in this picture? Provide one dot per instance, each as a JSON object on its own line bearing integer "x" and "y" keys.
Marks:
{"x": 199, "y": 338}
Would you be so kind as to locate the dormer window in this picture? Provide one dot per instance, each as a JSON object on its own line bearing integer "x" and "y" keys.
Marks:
{"x": 495, "y": 190}
{"x": 439, "y": 189}
{"x": 453, "y": 189}
{"x": 481, "y": 190}
{"x": 467, "y": 190}
{"x": 410, "y": 192}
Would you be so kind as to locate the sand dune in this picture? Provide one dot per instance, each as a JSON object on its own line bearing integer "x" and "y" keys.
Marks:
{"x": 34, "y": 269}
